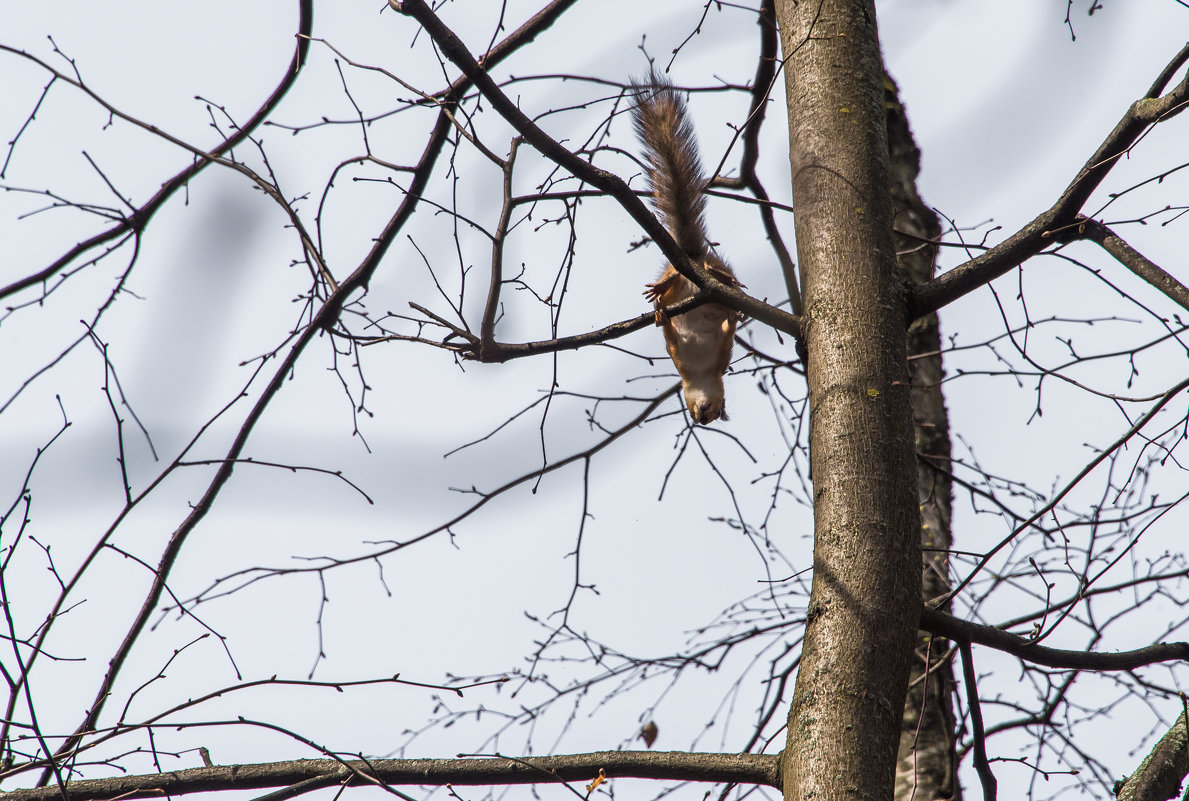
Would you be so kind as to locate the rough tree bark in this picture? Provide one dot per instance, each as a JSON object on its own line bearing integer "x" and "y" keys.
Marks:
{"x": 1160, "y": 774}
{"x": 844, "y": 721}
{"x": 926, "y": 766}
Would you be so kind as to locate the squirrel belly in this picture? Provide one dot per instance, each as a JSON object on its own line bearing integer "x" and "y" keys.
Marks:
{"x": 699, "y": 343}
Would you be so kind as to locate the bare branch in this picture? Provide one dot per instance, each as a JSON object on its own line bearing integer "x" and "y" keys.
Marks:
{"x": 981, "y": 766}
{"x": 674, "y": 766}
{"x": 140, "y": 217}
{"x": 612, "y": 184}
{"x": 1133, "y": 260}
{"x": 1036, "y": 235}
{"x": 1123, "y": 439}
{"x": 761, "y": 88}
{"x": 963, "y": 631}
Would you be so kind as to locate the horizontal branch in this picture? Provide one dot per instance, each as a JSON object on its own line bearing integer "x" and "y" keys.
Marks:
{"x": 313, "y": 773}
{"x": 499, "y": 352}
{"x": 503, "y": 351}
{"x": 963, "y": 631}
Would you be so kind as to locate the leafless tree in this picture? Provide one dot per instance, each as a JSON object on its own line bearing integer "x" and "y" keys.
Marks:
{"x": 947, "y": 619}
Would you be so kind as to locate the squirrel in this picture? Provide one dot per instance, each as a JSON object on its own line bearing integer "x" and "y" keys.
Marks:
{"x": 699, "y": 341}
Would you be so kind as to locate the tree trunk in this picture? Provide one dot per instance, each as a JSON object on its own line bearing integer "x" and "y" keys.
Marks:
{"x": 926, "y": 766}
{"x": 844, "y": 722}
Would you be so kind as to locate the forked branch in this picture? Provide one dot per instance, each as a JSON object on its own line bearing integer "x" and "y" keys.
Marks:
{"x": 609, "y": 183}
{"x": 1048, "y": 227}
{"x": 963, "y": 631}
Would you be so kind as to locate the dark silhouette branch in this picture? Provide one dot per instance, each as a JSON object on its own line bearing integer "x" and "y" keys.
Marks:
{"x": 963, "y": 631}
{"x": 981, "y": 765}
{"x": 314, "y": 773}
{"x": 540, "y": 21}
{"x": 1047, "y": 227}
{"x": 136, "y": 221}
{"x": 1133, "y": 260}
{"x": 611, "y": 184}
{"x": 252, "y": 575}
{"x": 322, "y": 319}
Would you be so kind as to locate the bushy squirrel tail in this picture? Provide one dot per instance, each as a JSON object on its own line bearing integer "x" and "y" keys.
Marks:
{"x": 675, "y": 170}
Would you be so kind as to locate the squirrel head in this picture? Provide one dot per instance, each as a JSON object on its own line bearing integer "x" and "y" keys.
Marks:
{"x": 705, "y": 400}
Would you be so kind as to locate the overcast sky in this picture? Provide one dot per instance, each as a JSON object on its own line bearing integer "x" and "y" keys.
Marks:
{"x": 1006, "y": 105}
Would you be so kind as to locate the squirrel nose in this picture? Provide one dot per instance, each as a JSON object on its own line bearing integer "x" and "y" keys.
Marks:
{"x": 704, "y": 413}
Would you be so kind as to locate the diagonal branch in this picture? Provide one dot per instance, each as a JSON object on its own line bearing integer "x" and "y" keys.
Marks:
{"x": 981, "y": 766}
{"x": 1133, "y": 260}
{"x": 1162, "y": 771}
{"x": 1036, "y": 235}
{"x": 1102, "y": 456}
{"x": 136, "y": 221}
{"x": 448, "y": 101}
{"x": 322, "y": 319}
{"x": 611, "y": 184}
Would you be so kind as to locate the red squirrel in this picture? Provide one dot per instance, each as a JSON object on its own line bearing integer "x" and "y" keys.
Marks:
{"x": 699, "y": 341}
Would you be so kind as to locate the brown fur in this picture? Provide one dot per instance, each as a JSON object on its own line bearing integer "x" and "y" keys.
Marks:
{"x": 699, "y": 341}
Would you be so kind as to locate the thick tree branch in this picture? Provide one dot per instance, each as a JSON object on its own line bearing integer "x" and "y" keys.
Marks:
{"x": 963, "y": 631}
{"x": 673, "y": 766}
{"x": 1163, "y": 770}
{"x": 613, "y": 185}
{"x": 1133, "y": 260}
{"x": 1039, "y": 233}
